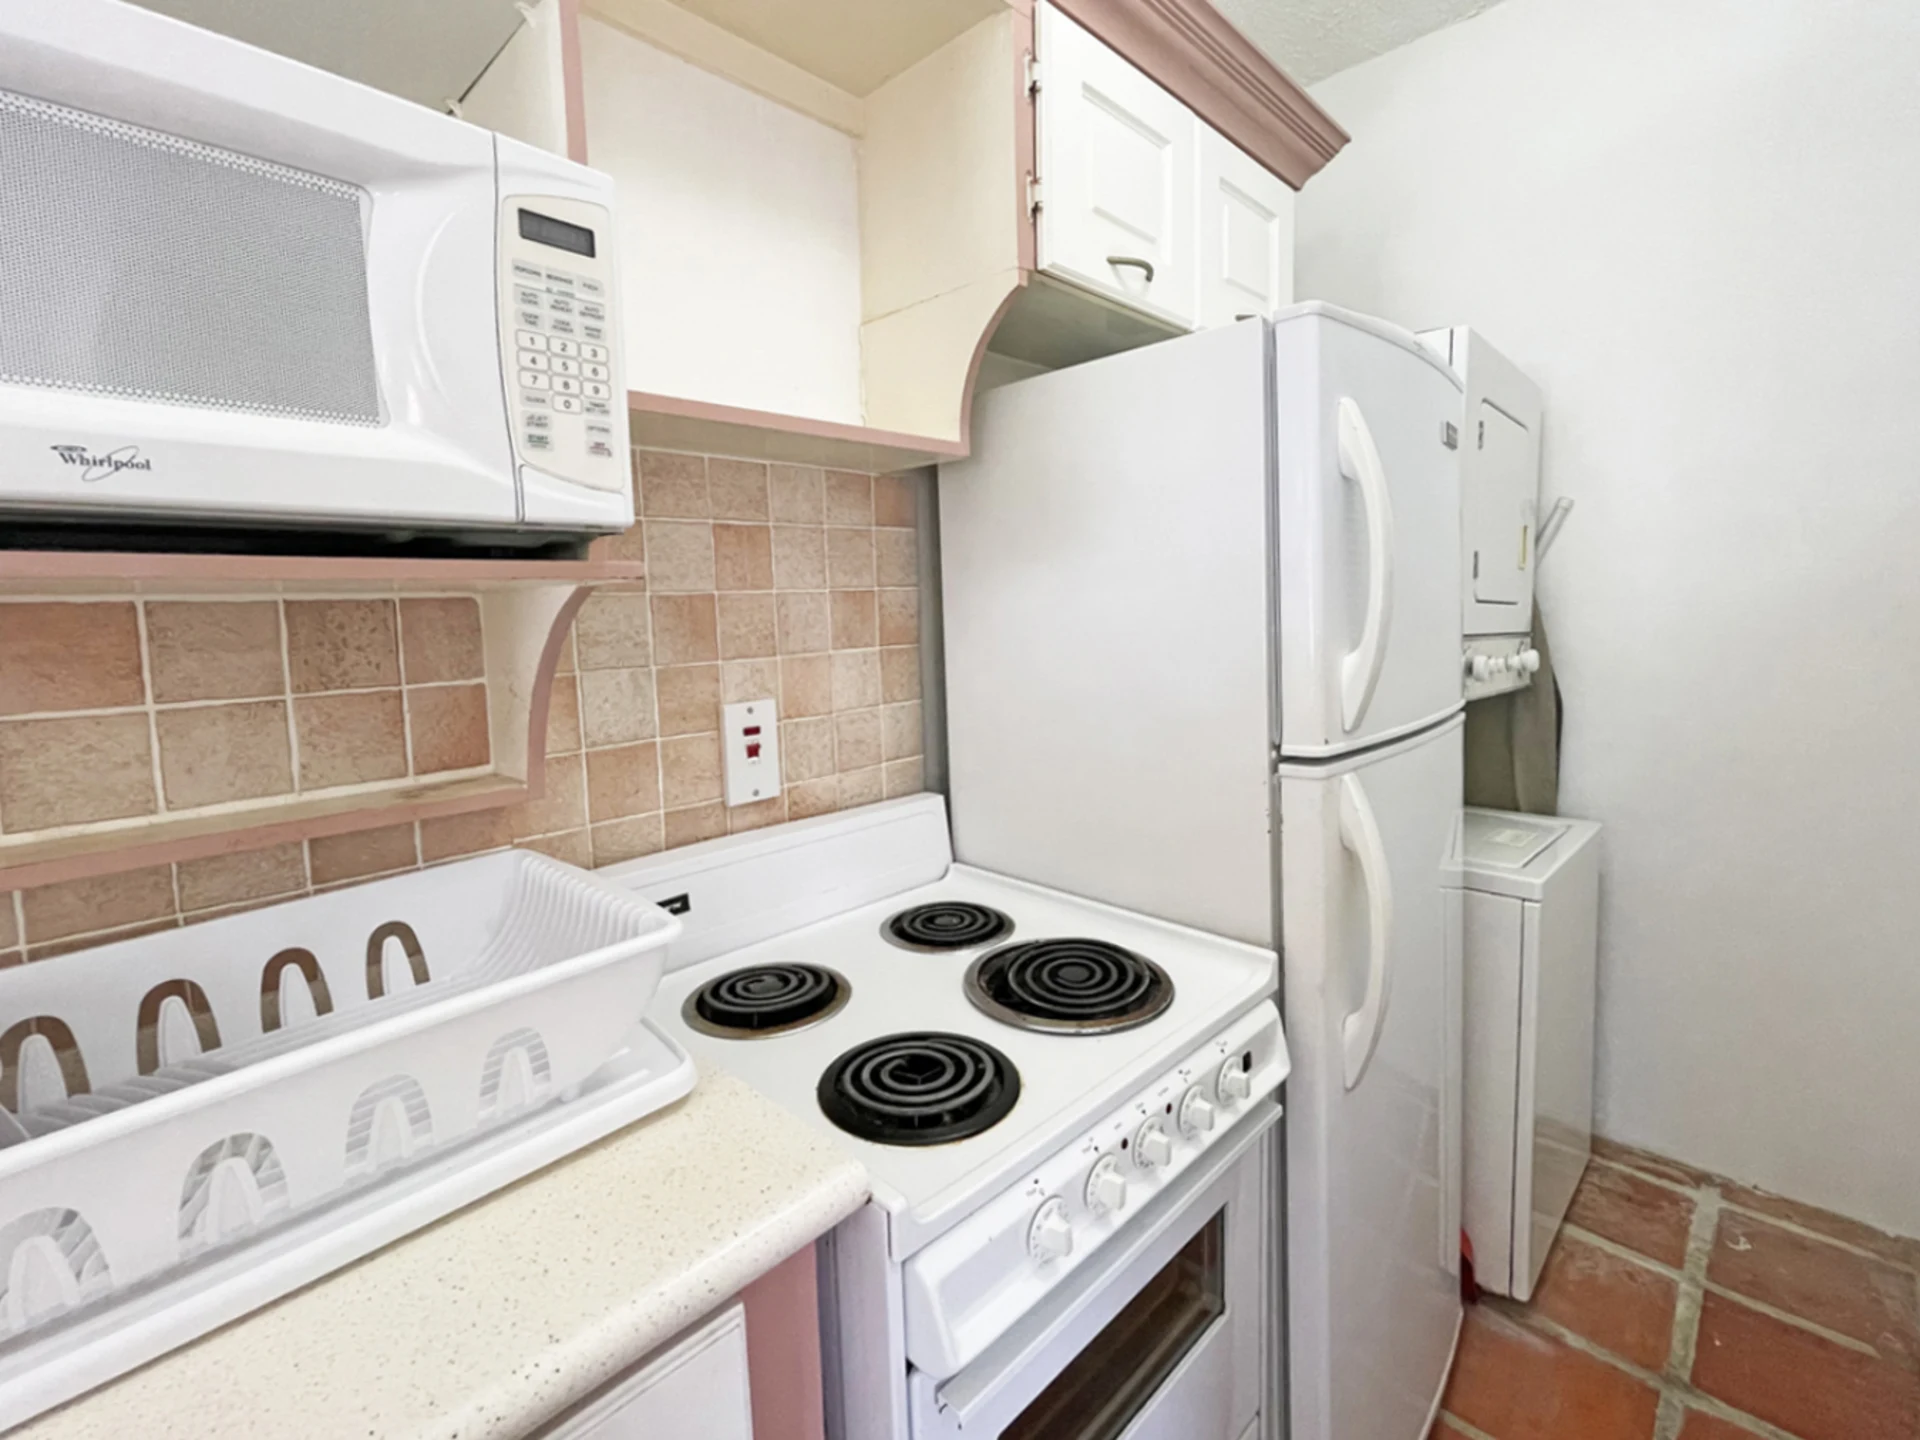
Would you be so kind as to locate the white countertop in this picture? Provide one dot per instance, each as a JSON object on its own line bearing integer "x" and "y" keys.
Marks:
{"x": 496, "y": 1318}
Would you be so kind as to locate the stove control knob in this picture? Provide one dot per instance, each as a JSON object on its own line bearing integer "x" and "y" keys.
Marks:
{"x": 1152, "y": 1147}
{"x": 1050, "y": 1236}
{"x": 1196, "y": 1113}
{"x": 1234, "y": 1082}
{"x": 1106, "y": 1187}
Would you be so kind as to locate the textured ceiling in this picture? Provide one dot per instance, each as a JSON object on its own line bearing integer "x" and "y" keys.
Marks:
{"x": 426, "y": 50}
{"x": 1311, "y": 39}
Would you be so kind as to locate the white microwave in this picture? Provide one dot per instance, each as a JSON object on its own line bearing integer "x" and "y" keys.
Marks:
{"x": 239, "y": 291}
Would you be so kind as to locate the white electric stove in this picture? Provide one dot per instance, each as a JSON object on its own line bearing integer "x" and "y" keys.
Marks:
{"x": 1063, "y": 1108}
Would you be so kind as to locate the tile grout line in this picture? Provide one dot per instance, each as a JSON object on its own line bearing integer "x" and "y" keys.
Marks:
{"x": 1472, "y": 1432}
{"x": 1701, "y": 1230}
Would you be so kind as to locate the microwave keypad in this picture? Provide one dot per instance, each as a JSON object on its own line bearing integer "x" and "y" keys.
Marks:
{"x": 564, "y": 365}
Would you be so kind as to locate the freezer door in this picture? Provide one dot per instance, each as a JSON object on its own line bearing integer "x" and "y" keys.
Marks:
{"x": 1372, "y": 1008}
{"x": 1368, "y": 518}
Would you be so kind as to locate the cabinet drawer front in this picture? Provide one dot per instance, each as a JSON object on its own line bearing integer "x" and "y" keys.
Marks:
{"x": 697, "y": 1390}
{"x": 1246, "y": 234}
{"x": 1117, "y": 158}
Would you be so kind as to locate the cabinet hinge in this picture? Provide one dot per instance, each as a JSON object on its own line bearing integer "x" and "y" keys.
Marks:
{"x": 1483, "y": 436}
{"x": 1033, "y": 75}
{"x": 1034, "y": 200}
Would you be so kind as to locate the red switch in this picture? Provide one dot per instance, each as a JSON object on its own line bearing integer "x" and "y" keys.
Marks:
{"x": 753, "y": 748}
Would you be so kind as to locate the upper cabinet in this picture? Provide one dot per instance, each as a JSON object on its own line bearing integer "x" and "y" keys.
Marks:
{"x": 1119, "y": 157}
{"x": 1144, "y": 202}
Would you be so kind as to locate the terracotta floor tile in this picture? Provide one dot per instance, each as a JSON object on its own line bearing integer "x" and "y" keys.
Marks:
{"x": 1701, "y": 1426}
{"x": 1825, "y": 1222}
{"x": 1648, "y": 1163}
{"x": 1799, "y": 1381}
{"x": 1868, "y": 1300}
{"x": 1633, "y": 1212}
{"x": 1621, "y": 1306}
{"x": 1514, "y": 1385}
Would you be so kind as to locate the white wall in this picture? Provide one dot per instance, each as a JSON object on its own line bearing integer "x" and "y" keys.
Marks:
{"x": 1697, "y": 223}
{"x": 739, "y": 234}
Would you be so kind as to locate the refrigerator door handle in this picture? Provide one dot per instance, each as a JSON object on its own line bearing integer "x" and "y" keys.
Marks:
{"x": 1360, "y": 1031}
{"x": 1360, "y": 464}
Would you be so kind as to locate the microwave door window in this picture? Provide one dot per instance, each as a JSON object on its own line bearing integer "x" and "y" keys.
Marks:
{"x": 1107, "y": 1384}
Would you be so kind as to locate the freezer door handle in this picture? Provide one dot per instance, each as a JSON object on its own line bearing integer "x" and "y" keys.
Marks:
{"x": 1360, "y": 464}
{"x": 1360, "y": 1031}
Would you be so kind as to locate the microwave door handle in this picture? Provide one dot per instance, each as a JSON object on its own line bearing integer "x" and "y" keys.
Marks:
{"x": 983, "y": 1387}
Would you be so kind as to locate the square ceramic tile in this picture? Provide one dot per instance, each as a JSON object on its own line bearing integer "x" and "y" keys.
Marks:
{"x": 617, "y": 706}
{"x": 561, "y": 804}
{"x": 861, "y": 787}
{"x": 856, "y": 679}
{"x": 210, "y": 754}
{"x": 689, "y": 699}
{"x": 627, "y": 839}
{"x": 215, "y": 650}
{"x": 613, "y": 631}
{"x": 571, "y": 848}
{"x": 690, "y": 770}
{"x": 901, "y": 727}
{"x": 806, "y": 749}
{"x": 849, "y": 498}
{"x": 749, "y": 680}
{"x": 803, "y": 623}
{"x": 350, "y": 739}
{"x": 448, "y": 728}
{"x": 899, "y": 617}
{"x": 743, "y": 557}
{"x": 806, "y": 686}
{"x": 900, "y": 673}
{"x": 799, "y": 557}
{"x": 100, "y": 902}
{"x": 737, "y": 488}
{"x": 75, "y": 769}
{"x": 856, "y": 739}
{"x": 746, "y": 626}
{"x": 69, "y": 656}
{"x": 854, "y": 618}
{"x": 807, "y": 798}
{"x": 673, "y": 484}
{"x": 441, "y": 639}
{"x": 903, "y": 777}
{"x": 563, "y": 715}
{"x": 797, "y": 494}
{"x": 893, "y": 500}
{"x": 896, "y": 557}
{"x": 622, "y": 782}
{"x": 685, "y": 631}
{"x": 757, "y": 815}
{"x": 850, "y": 559}
{"x": 341, "y": 645}
{"x": 679, "y": 556}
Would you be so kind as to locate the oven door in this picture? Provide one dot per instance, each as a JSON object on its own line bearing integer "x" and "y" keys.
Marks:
{"x": 1164, "y": 1339}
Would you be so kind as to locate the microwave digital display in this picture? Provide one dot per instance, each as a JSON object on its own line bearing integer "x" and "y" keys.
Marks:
{"x": 545, "y": 230}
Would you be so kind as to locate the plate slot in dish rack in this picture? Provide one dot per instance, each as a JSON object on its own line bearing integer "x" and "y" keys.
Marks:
{"x": 173, "y": 1103}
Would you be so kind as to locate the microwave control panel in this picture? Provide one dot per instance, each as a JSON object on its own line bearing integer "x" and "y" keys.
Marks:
{"x": 560, "y": 340}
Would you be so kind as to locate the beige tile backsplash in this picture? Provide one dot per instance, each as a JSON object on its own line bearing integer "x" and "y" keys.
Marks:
{"x": 780, "y": 581}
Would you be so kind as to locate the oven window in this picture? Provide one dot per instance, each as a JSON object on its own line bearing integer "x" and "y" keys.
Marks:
{"x": 1107, "y": 1384}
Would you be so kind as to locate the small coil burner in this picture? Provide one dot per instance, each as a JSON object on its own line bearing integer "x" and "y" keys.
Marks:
{"x": 947, "y": 925}
{"x": 765, "y": 1000}
{"x": 1079, "y": 987}
{"x": 923, "y": 1088}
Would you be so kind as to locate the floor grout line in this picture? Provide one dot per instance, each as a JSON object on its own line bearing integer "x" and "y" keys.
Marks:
{"x": 1472, "y": 1432}
{"x": 1701, "y": 1230}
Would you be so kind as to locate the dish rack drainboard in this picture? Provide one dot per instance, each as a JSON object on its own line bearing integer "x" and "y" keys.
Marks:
{"x": 168, "y": 1101}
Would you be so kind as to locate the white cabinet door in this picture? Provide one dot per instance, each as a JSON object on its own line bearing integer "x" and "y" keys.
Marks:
{"x": 1117, "y": 175}
{"x": 695, "y": 1391}
{"x": 1246, "y": 234}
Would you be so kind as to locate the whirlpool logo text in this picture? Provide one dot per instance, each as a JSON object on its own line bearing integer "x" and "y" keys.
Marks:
{"x": 99, "y": 467}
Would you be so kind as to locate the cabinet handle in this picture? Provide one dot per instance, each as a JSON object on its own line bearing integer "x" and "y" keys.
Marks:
{"x": 1134, "y": 260}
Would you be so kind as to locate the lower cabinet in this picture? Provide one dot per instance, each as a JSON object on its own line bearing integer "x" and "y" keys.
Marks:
{"x": 694, "y": 1390}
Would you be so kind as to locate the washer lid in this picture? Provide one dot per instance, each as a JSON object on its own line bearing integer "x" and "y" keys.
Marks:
{"x": 1499, "y": 841}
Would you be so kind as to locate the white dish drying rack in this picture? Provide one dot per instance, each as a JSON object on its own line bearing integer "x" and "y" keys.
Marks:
{"x": 194, "y": 1122}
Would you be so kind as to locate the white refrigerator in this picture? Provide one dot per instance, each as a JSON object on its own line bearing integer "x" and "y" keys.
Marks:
{"x": 1202, "y": 629}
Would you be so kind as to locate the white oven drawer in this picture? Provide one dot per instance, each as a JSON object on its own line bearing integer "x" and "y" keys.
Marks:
{"x": 1212, "y": 1388}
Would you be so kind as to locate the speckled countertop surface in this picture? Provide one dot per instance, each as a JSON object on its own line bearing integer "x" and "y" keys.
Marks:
{"x": 493, "y": 1320}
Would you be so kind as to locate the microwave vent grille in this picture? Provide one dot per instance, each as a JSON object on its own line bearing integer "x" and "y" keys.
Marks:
{"x": 149, "y": 267}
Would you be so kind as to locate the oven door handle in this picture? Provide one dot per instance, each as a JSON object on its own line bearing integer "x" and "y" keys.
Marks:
{"x": 997, "y": 1386}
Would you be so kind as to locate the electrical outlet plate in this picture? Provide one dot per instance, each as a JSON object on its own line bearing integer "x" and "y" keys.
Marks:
{"x": 750, "y": 745}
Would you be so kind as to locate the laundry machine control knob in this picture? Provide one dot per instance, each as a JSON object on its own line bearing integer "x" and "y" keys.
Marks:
{"x": 1529, "y": 661}
{"x": 1480, "y": 667}
{"x": 1234, "y": 1082}
{"x": 1196, "y": 1113}
{"x": 1050, "y": 1236}
{"x": 1152, "y": 1147}
{"x": 1106, "y": 1187}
